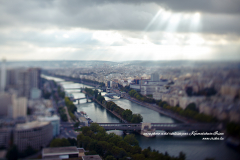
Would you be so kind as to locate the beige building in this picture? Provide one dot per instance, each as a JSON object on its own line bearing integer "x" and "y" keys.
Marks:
{"x": 12, "y": 106}
{"x": 19, "y": 107}
{"x": 35, "y": 134}
{"x": 185, "y": 101}
{"x": 206, "y": 108}
{"x": 230, "y": 90}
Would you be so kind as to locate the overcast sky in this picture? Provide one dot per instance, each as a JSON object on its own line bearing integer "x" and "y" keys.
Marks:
{"x": 119, "y": 30}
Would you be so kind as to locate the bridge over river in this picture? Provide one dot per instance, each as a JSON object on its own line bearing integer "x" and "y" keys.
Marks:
{"x": 160, "y": 126}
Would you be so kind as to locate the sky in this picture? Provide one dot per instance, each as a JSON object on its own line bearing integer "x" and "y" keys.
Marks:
{"x": 119, "y": 30}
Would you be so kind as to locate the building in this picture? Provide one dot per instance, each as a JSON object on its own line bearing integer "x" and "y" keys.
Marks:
{"x": 34, "y": 78}
{"x": 55, "y": 121}
{"x": 5, "y": 134}
{"x": 12, "y": 106}
{"x": 154, "y": 77}
{"x": 19, "y": 106}
{"x": 3, "y": 76}
{"x": 91, "y": 157}
{"x": 23, "y": 84}
{"x": 35, "y": 93}
{"x": 81, "y": 152}
{"x": 35, "y": 134}
{"x": 60, "y": 152}
{"x": 5, "y": 105}
{"x": 23, "y": 80}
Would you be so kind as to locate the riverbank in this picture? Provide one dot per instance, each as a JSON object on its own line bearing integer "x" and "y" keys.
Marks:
{"x": 159, "y": 110}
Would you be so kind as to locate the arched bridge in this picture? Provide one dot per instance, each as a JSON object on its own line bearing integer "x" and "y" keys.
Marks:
{"x": 78, "y": 99}
{"x": 110, "y": 95}
{"x": 160, "y": 126}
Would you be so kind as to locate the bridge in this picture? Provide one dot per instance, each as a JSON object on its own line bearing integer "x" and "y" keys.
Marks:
{"x": 78, "y": 99}
{"x": 110, "y": 95}
{"x": 160, "y": 126}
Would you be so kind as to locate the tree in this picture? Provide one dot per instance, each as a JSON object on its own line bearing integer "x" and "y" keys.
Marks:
{"x": 72, "y": 141}
{"x": 182, "y": 156}
{"x": 27, "y": 152}
{"x": 110, "y": 158}
{"x": 85, "y": 130}
{"x": 76, "y": 124}
{"x": 57, "y": 142}
{"x": 130, "y": 139}
{"x": 138, "y": 156}
{"x": 127, "y": 114}
{"x": 94, "y": 127}
{"x": 192, "y": 107}
{"x": 12, "y": 153}
{"x": 136, "y": 118}
{"x": 136, "y": 150}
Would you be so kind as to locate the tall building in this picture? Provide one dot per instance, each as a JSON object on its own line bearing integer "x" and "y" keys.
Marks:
{"x": 23, "y": 84}
{"x": 34, "y": 78}
{"x": 11, "y": 79}
{"x": 3, "y": 75}
{"x": 24, "y": 80}
{"x": 5, "y": 104}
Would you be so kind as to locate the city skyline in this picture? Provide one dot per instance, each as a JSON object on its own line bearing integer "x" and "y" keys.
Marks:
{"x": 120, "y": 31}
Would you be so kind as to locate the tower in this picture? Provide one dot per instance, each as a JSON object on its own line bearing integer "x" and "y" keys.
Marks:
{"x": 3, "y": 75}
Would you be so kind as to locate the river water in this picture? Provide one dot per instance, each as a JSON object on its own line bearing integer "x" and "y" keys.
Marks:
{"x": 194, "y": 147}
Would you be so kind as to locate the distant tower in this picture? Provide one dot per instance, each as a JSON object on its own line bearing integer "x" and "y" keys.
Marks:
{"x": 3, "y": 75}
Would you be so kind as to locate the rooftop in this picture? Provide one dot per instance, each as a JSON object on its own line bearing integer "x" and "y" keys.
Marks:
{"x": 92, "y": 157}
{"x": 48, "y": 118}
{"x": 60, "y": 150}
{"x": 31, "y": 125}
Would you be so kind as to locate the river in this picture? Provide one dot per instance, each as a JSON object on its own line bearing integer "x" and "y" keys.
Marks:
{"x": 194, "y": 147}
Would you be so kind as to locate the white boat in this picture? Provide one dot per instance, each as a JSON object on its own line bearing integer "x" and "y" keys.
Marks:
{"x": 148, "y": 133}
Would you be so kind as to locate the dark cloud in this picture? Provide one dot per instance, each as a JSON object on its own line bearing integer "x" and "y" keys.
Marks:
{"x": 210, "y": 6}
{"x": 218, "y": 16}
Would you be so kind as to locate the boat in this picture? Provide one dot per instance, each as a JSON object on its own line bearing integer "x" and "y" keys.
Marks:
{"x": 148, "y": 133}
{"x": 147, "y": 130}
{"x": 83, "y": 113}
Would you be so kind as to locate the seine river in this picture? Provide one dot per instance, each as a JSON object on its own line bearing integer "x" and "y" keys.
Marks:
{"x": 194, "y": 147}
